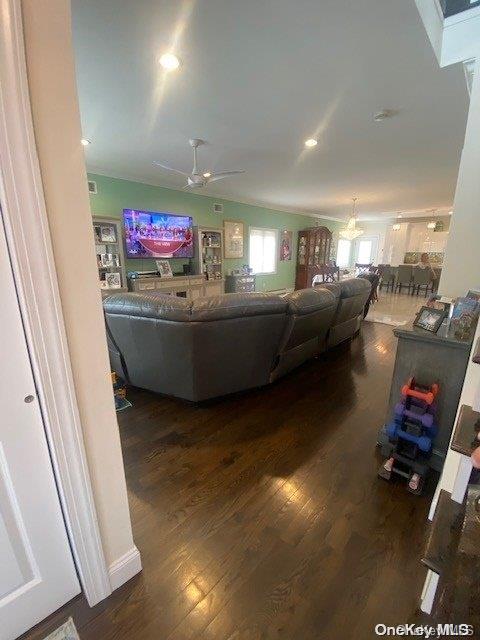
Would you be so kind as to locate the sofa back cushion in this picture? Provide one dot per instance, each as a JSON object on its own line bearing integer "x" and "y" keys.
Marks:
{"x": 196, "y": 350}
{"x": 352, "y": 295}
{"x": 310, "y": 313}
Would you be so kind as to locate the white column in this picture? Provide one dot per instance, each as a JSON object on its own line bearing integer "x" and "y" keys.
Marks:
{"x": 56, "y": 119}
{"x": 461, "y": 269}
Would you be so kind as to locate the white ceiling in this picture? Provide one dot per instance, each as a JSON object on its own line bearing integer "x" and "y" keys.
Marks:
{"x": 258, "y": 77}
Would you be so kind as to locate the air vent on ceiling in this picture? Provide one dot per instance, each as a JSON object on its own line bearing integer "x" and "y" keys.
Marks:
{"x": 217, "y": 208}
{"x": 92, "y": 187}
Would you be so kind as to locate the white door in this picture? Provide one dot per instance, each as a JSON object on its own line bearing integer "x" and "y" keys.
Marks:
{"x": 37, "y": 573}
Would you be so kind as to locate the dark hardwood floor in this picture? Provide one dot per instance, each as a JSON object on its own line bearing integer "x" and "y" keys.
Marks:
{"x": 260, "y": 516}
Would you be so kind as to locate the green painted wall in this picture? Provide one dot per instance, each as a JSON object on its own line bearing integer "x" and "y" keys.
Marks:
{"x": 114, "y": 195}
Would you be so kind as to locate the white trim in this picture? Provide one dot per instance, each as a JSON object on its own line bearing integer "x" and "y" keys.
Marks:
{"x": 428, "y": 593}
{"x": 125, "y": 568}
{"x": 34, "y": 270}
{"x": 462, "y": 16}
{"x": 462, "y": 478}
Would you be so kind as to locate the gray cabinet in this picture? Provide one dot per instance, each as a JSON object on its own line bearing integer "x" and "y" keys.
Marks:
{"x": 240, "y": 284}
{"x": 190, "y": 287}
{"x": 431, "y": 357}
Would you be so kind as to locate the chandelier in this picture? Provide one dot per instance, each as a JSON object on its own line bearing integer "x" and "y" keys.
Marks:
{"x": 350, "y": 232}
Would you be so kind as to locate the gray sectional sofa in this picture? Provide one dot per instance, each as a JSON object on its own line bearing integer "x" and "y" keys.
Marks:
{"x": 214, "y": 346}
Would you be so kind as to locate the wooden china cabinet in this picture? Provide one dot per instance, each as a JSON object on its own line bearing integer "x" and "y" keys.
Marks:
{"x": 313, "y": 253}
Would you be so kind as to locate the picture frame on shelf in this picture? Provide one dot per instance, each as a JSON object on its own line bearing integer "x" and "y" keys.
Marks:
{"x": 108, "y": 233}
{"x": 465, "y": 316}
{"x": 97, "y": 233}
{"x": 234, "y": 233}
{"x": 107, "y": 260}
{"x": 113, "y": 280}
{"x": 430, "y": 319}
{"x": 164, "y": 268}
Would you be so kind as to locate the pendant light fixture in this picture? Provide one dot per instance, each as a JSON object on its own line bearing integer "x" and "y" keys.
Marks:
{"x": 350, "y": 232}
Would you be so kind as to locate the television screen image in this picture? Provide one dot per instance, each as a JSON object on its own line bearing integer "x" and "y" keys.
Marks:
{"x": 157, "y": 235}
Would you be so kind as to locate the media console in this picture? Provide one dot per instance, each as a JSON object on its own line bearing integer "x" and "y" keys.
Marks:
{"x": 190, "y": 287}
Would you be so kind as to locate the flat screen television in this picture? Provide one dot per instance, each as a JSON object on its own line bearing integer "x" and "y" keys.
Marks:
{"x": 149, "y": 234}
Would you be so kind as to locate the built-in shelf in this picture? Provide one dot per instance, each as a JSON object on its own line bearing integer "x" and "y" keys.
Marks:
{"x": 443, "y": 533}
{"x": 451, "y": 552}
{"x": 465, "y": 431}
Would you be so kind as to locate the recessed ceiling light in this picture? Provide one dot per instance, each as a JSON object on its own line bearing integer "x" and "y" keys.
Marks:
{"x": 169, "y": 61}
{"x": 207, "y": 174}
{"x": 311, "y": 142}
{"x": 85, "y": 142}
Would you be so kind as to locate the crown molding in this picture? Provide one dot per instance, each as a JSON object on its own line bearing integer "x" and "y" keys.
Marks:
{"x": 251, "y": 202}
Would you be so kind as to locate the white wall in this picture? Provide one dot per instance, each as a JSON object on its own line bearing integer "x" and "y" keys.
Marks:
{"x": 421, "y": 239}
{"x": 395, "y": 245}
{"x": 412, "y": 236}
{"x": 462, "y": 260}
{"x": 51, "y": 79}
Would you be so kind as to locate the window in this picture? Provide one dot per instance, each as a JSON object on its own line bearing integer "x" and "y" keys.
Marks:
{"x": 262, "y": 248}
{"x": 343, "y": 253}
{"x": 365, "y": 250}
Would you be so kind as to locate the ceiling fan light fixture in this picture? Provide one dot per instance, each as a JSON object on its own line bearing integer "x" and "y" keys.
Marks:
{"x": 169, "y": 61}
{"x": 207, "y": 174}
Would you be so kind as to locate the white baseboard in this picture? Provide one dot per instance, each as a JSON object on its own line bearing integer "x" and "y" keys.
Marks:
{"x": 125, "y": 568}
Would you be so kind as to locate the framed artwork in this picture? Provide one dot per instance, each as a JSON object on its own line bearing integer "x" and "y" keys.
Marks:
{"x": 113, "y": 280}
{"x": 286, "y": 240}
{"x": 108, "y": 233}
{"x": 233, "y": 232}
{"x": 107, "y": 260}
{"x": 430, "y": 319}
{"x": 164, "y": 268}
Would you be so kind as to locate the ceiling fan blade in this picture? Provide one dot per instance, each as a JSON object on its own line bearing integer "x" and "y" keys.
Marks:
{"x": 188, "y": 187}
{"x": 219, "y": 175}
{"x": 167, "y": 168}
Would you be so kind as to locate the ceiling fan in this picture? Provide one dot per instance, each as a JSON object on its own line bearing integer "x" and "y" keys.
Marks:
{"x": 197, "y": 179}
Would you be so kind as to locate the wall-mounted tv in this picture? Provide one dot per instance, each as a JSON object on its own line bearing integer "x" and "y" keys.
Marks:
{"x": 149, "y": 234}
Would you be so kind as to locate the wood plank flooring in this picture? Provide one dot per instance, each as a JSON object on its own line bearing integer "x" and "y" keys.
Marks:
{"x": 260, "y": 516}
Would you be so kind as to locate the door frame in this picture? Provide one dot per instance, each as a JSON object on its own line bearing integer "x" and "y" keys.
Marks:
{"x": 24, "y": 210}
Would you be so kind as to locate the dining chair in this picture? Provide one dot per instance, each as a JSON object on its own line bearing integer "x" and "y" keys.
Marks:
{"x": 422, "y": 278}
{"x": 362, "y": 268}
{"x": 387, "y": 276}
{"x": 436, "y": 280}
{"x": 404, "y": 277}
